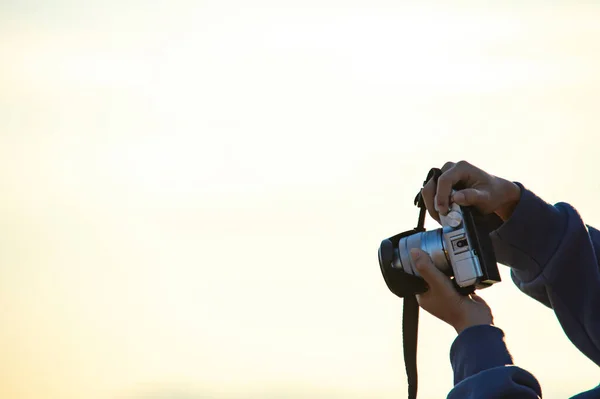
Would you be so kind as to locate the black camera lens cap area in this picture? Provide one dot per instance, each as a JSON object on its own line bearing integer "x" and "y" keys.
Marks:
{"x": 400, "y": 283}
{"x": 386, "y": 253}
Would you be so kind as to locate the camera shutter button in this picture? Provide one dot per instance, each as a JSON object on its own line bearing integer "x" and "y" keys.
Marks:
{"x": 453, "y": 219}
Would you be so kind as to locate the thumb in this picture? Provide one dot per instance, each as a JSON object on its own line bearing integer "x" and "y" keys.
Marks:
{"x": 471, "y": 196}
{"x": 478, "y": 299}
{"x": 427, "y": 269}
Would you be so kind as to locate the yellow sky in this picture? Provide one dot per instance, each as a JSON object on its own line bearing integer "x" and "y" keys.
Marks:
{"x": 193, "y": 192}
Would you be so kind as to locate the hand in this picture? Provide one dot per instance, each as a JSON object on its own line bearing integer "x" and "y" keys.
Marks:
{"x": 487, "y": 193}
{"x": 444, "y": 302}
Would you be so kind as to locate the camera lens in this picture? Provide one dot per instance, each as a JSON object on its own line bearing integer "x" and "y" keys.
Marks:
{"x": 430, "y": 242}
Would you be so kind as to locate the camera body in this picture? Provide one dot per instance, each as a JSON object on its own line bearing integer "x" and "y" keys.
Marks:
{"x": 461, "y": 248}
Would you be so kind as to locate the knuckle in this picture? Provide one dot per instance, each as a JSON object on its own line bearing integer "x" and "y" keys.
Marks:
{"x": 447, "y": 165}
{"x": 463, "y": 164}
{"x": 444, "y": 180}
{"x": 428, "y": 189}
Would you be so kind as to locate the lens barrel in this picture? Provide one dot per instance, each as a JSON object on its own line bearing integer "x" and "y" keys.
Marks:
{"x": 429, "y": 241}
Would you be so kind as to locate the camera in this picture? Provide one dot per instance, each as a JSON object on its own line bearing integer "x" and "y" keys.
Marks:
{"x": 461, "y": 249}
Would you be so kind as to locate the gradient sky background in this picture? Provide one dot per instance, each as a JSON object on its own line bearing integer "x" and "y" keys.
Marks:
{"x": 193, "y": 193}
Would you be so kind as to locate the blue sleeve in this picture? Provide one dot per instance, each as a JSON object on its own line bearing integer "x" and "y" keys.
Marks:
{"x": 553, "y": 256}
{"x": 483, "y": 368}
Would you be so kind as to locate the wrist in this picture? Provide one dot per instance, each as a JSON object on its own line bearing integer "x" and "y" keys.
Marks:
{"x": 462, "y": 325}
{"x": 512, "y": 195}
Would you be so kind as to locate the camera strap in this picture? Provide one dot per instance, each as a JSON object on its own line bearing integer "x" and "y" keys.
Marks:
{"x": 410, "y": 329}
{"x": 410, "y": 310}
{"x": 407, "y": 286}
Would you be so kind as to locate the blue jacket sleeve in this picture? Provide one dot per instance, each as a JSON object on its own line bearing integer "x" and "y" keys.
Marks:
{"x": 554, "y": 259}
{"x": 483, "y": 368}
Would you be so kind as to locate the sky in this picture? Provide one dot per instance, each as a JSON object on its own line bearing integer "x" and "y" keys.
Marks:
{"x": 193, "y": 193}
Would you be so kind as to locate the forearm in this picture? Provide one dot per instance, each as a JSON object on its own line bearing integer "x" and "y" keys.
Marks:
{"x": 553, "y": 256}
{"x": 529, "y": 238}
{"x": 507, "y": 382}
{"x": 483, "y": 367}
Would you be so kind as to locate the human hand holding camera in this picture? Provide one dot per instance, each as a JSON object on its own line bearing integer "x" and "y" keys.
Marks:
{"x": 443, "y": 300}
{"x": 487, "y": 193}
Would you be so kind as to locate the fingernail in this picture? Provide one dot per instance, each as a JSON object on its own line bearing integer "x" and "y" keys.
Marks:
{"x": 458, "y": 197}
{"x": 419, "y": 266}
{"x": 438, "y": 205}
{"x": 415, "y": 253}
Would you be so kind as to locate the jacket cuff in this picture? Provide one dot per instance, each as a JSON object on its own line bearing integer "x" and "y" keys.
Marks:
{"x": 476, "y": 349}
{"x": 528, "y": 239}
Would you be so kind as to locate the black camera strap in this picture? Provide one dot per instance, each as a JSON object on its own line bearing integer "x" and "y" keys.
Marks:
{"x": 410, "y": 310}
{"x": 410, "y": 329}
{"x": 408, "y": 286}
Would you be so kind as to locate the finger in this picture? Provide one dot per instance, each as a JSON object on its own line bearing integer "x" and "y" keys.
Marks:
{"x": 471, "y": 196}
{"x": 432, "y": 276}
{"x": 428, "y": 194}
{"x": 477, "y": 298}
{"x": 459, "y": 172}
{"x": 447, "y": 166}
